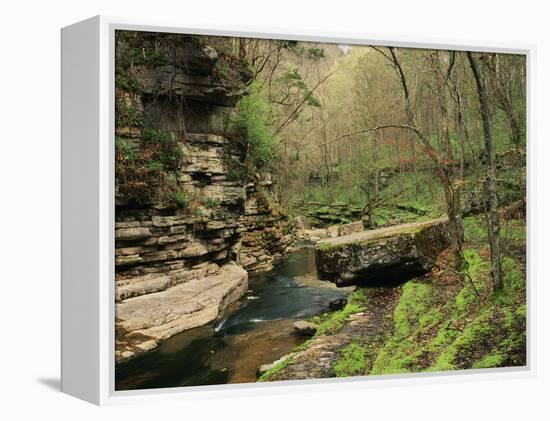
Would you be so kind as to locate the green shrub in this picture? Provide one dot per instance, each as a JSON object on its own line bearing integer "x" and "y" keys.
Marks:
{"x": 257, "y": 143}
{"x": 124, "y": 150}
{"x": 212, "y": 203}
{"x": 127, "y": 115}
{"x": 180, "y": 199}
{"x": 149, "y": 172}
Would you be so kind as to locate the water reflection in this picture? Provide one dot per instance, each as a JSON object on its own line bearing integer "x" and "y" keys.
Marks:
{"x": 230, "y": 351}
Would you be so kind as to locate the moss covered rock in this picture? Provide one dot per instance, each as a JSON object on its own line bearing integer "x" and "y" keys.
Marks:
{"x": 384, "y": 255}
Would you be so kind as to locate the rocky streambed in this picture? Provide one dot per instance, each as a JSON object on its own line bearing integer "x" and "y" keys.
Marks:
{"x": 259, "y": 331}
{"x": 236, "y": 343}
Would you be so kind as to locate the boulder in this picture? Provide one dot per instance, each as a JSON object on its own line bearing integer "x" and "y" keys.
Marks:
{"x": 333, "y": 231}
{"x": 393, "y": 254}
{"x": 337, "y": 304}
{"x": 314, "y": 234}
{"x": 348, "y": 229}
{"x": 304, "y": 328}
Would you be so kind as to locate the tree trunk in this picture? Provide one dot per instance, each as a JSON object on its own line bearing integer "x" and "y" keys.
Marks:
{"x": 515, "y": 131}
{"x": 452, "y": 196}
{"x": 493, "y": 225}
{"x": 452, "y": 200}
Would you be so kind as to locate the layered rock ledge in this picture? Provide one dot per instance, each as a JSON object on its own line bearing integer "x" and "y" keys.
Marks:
{"x": 145, "y": 320}
{"x": 187, "y": 226}
{"x": 390, "y": 254}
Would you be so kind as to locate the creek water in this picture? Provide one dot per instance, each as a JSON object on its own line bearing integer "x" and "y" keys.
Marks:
{"x": 258, "y": 331}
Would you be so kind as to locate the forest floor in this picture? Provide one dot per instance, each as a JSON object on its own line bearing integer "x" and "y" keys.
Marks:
{"x": 441, "y": 321}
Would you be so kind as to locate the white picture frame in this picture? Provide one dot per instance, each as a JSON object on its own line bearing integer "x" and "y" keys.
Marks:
{"x": 88, "y": 213}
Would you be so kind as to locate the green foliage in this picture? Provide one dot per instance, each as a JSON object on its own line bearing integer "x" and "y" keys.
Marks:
{"x": 127, "y": 115}
{"x": 513, "y": 230}
{"x": 154, "y": 166}
{"x": 513, "y": 279}
{"x": 128, "y": 83}
{"x": 475, "y": 230}
{"x": 125, "y": 150}
{"x": 148, "y": 172}
{"x": 147, "y": 55}
{"x": 351, "y": 361}
{"x": 315, "y": 53}
{"x": 293, "y": 79}
{"x": 223, "y": 70}
{"x": 166, "y": 150}
{"x": 238, "y": 173}
{"x": 257, "y": 144}
{"x": 180, "y": 199}
{"x": 212, "y": 203}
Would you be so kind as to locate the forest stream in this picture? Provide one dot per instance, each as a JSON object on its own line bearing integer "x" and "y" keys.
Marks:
{"x": 258, "y": 331}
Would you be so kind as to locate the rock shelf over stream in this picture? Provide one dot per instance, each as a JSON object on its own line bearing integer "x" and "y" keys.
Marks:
{"x": 383, "y": 255}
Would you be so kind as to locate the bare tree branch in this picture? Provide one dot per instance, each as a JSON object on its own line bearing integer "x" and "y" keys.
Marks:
{"x": 373, "y": 129}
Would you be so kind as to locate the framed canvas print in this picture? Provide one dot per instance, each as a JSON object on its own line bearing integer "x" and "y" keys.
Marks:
{"x": 246, "y": 210}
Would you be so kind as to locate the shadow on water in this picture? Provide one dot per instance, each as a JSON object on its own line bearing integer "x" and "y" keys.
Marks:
{"x": 230, "y": 351}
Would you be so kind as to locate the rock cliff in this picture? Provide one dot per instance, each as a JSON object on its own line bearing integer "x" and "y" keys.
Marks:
{"x": 182, "y": 216}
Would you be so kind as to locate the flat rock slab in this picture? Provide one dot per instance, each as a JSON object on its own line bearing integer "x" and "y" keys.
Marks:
{"x": 393, "y": 254}
{"x": 146, "y": 320}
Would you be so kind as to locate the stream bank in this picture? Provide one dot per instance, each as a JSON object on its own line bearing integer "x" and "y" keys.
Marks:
{"x": 436, "y": 322}
{"x": 259, "y": 331}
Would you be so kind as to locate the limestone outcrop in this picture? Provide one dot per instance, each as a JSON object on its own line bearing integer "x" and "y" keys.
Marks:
{"x": 333, "y": 231}
{"x": 145, "y": 320}
{"x": 185, "y": 224}
{"x": 264, "y": 239}
{"x": 384, "y": 255}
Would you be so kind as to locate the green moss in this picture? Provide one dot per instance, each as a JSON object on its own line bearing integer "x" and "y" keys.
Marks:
{"x": 324, "y": 246}
{"x": 282, "y": 364}
{"x": 470, "y": 337}
{"x": 474, "y": 266}
{"x": 488, "y": 361}
{"x": 336, "y": 320}
{"x": 444, "y": 337}
{"x": 413, "y": 304}
{"x": 415, "y": 314}
{"x": 351, "y": 361}
{"x": 275, "y": 369}
{"x": 513, "y": 279}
